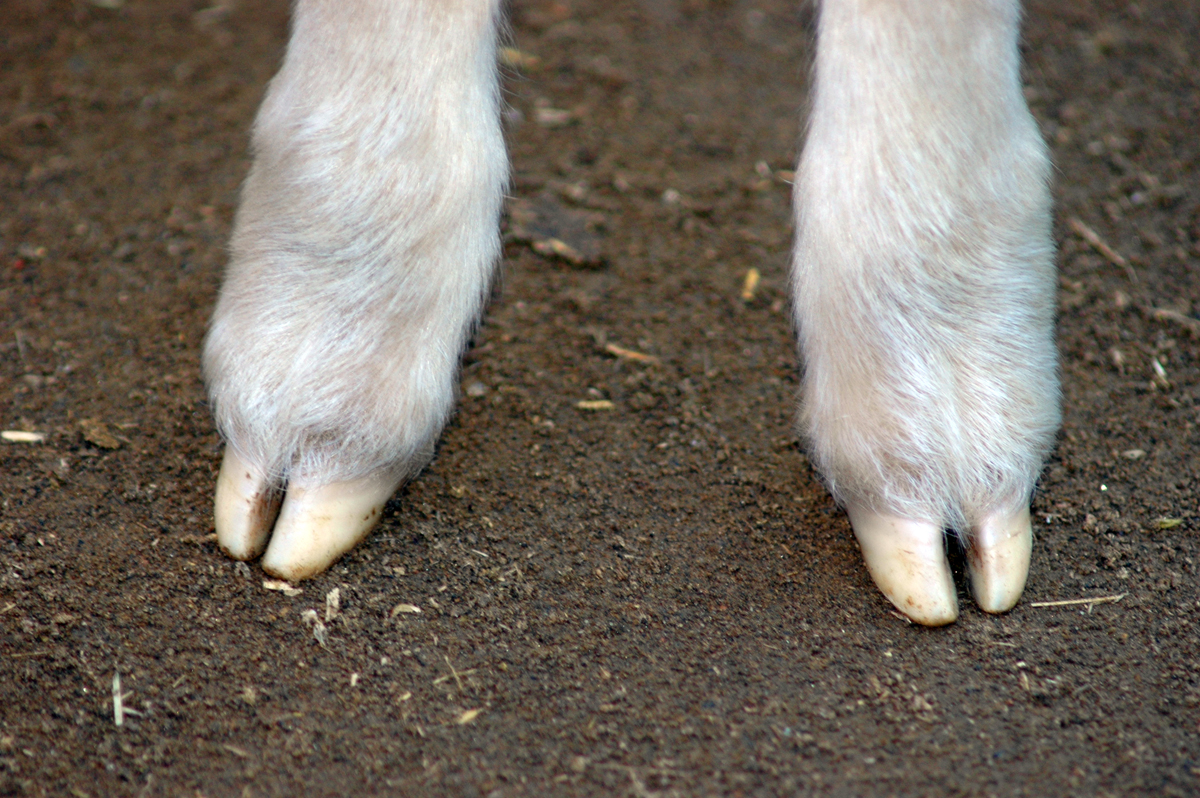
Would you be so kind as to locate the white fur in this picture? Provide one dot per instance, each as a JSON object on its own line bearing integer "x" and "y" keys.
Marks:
{"x": 923, "y": 269}
{"x": 365, "y": 240}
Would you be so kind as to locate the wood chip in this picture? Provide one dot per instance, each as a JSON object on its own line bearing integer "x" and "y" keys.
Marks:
{"x": 553, "y": 247}
{"x": 630, "y": 354}
{"x": 19, "y": 436}
{"x": 411, "y": 609}
{"x": 282, "y": 587}
{"x": 595, "y": 404}
{"x": 468, "y": 716}
{"x": 96, "y": 433}
{"x": 750, "y": 284}
{"x": 553, "y": 230}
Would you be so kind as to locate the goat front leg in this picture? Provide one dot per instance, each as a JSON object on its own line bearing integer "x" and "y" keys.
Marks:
{"x": 362, "y": 252}
{"x": 924, "y": 288}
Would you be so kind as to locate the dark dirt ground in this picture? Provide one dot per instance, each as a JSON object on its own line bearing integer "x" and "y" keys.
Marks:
{"x": 657, "y": 599}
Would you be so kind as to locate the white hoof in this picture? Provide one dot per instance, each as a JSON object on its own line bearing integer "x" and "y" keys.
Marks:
{"x": 319, "y": 524}
{"x": 315, "y": 526}
{"x": 246, "y": 506}
{"x": 998, "y": 560}
{"x": 907, "y": 560}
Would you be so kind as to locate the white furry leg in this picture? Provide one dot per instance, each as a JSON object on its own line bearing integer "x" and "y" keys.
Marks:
{"x": 361, "y": 254}
{"x": 924, "y": 287}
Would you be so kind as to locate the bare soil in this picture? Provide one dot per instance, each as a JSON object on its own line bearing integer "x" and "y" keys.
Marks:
{"x": 658, "y": 598}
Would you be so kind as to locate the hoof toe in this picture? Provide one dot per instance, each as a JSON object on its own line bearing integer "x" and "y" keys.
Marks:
{"x": 907, "y": 560}
{"x": 998, "y": 560}
{"x": 315, "y": 525}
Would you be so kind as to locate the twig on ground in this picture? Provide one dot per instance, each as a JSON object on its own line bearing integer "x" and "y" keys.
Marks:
{"x": 1077, "y": 602}
{"x": 630, "y": 354}
{"x": 454, "y": 673}
{"x": 1097, "y": 243}
{"x": 118, "y": 702}
{"x": 1187, "y": 322}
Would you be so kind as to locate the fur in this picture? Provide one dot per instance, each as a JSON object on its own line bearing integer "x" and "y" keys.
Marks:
{"x": 365, "y": 242}
{"x": 923, "y": 269}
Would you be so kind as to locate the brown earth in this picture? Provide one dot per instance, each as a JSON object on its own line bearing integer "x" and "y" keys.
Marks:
{"x": 655, "y": 599}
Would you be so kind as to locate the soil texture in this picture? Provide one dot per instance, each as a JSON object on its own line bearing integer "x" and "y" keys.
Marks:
{"x": 619, "y": 576}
